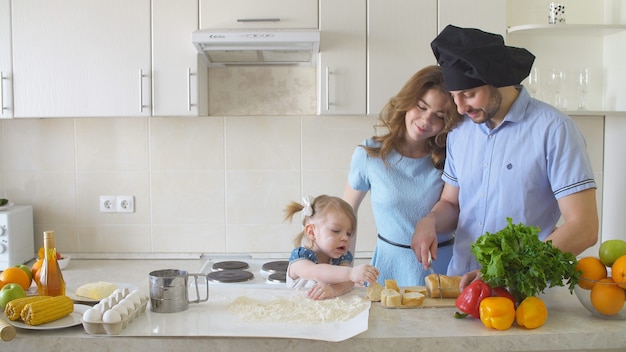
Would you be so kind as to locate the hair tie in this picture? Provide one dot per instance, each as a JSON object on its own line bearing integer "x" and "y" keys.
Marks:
{"x": 308, "y": 209}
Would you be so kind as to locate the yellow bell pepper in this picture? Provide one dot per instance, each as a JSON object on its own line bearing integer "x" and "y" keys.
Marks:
{"x": 497, "y": 312}
{"x": 531, "y": 313}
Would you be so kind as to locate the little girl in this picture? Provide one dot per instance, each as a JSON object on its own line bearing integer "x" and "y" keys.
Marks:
{"x": 321, "y": 261}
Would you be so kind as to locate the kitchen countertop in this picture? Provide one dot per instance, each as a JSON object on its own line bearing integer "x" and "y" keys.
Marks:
{"x": 569, "y": 326}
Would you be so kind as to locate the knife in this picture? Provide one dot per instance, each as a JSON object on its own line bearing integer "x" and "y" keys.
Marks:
{"x": 432, "y": 271}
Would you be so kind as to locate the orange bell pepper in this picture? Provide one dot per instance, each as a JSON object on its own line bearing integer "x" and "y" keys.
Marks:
{"x": 531, "y": 313}
{"x": 497, "y": 312}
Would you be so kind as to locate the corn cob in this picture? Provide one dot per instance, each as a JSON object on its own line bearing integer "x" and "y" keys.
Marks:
{"x": 13, "y": 309}
{"x": 47, "y": 310}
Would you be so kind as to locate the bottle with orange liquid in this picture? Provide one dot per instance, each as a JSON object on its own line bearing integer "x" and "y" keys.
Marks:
{"x": 51, "y": 281}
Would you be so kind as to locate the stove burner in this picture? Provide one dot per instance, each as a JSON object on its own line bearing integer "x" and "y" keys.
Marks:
{"x": 279, "y": 266}
{"x": 277, "y": 278}
{"x": 230, "y": 276}
{"x": 230, "y": 265}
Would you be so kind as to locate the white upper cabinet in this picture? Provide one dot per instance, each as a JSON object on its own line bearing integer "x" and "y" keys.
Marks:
{"x": 74, "y": 58}
{"x": 6, "y": 68}
{"x": 487, "y": 15}
{"x": 178, "y": 81}
{"x": 238, "y": 14}
{"x": 398, "y": 39}
{"x": 342, "y": 60}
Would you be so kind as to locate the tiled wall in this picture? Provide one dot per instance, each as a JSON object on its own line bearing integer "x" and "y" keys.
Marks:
{"x": 214, "y": 184}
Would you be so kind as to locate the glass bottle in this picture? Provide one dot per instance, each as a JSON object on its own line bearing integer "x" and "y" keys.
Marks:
{"x": 51, "y": 281}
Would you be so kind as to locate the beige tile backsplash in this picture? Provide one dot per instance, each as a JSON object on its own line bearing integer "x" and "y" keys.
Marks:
{"x": 214, "y": 184}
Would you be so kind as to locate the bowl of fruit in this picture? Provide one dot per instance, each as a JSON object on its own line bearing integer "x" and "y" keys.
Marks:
{"x": 601, "y": 286}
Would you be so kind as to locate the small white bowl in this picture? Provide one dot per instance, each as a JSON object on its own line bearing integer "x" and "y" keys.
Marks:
{"x": 64, "y": 261}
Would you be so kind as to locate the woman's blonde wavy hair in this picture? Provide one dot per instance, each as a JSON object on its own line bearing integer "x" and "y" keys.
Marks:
{"x": 392, "y": 116}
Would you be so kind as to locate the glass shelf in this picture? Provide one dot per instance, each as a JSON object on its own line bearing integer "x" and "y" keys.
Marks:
{"x": 567, "y": 29}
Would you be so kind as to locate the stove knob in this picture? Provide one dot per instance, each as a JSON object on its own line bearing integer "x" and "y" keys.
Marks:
{"x": 3, "y": 230}
{"x": 3, "y": 248}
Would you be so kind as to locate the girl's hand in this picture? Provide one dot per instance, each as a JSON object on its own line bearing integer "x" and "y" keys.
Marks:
{"x": 364, "y": 273}
{"x": 320, "y": 291}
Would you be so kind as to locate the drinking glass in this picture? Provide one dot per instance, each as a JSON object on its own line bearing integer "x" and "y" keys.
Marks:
{"x": 532, "y": 82}
{"x": 583, "y": 86}
{"x": 557, "y": 81}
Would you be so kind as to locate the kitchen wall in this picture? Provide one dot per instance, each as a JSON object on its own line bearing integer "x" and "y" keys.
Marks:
{"x": 202, "y": 184}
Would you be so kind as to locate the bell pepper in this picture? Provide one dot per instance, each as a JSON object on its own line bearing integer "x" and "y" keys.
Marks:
{"x": 469, "y": 300}
{"x": 497, "y": 312}
{"x": 531, "y": 313}
{"x": 502, "y": 292}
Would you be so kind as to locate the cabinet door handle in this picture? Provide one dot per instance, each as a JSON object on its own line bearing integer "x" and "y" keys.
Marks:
{"x": 2, "y": 91}
{"x": 328, "y": 104}
{"x": 141, "y": 75}
{"x": 189, "y": 74}
{"x": 258, "y": 20}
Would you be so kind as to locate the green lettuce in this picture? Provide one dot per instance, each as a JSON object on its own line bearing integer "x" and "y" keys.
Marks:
{"x": 516, "y": 258}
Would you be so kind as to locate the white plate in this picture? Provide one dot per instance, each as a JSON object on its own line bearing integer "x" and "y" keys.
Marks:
{"x": 71, "y": 320}
{"x": 8, "y": 205}
{"x": 71, "y": 293}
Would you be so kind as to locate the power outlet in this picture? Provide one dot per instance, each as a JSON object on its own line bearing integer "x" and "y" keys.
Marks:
{"x": 125, "y": 204}
{"x": 108, "y": 204}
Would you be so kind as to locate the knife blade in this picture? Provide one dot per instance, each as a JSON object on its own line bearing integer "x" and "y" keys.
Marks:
{"x": 432, "y": 271}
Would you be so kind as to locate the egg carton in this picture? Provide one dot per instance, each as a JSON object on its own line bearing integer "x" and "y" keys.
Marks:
{"x": 113, "y": 313}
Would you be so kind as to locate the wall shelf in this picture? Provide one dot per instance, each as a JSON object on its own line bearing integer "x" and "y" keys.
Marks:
{"x": 567, "y": 29}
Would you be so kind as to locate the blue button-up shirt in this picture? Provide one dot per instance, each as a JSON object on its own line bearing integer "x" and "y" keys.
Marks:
{"x": 519, "y": 169}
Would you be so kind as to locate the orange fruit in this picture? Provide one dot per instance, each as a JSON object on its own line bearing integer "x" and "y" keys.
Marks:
{"x": 591, "y": 268}
{"x": 618, "y": 271}
{"x": 1, "y": 284}
{"x": 606, "y": 297}
{"x": 35, "y": 270}
{"x": 16, "y": 276}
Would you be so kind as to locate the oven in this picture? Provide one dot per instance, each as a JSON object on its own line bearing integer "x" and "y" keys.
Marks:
{"x": 17, "y": 238}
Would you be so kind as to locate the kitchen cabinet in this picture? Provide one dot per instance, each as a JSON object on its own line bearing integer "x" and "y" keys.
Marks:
{"x": 398, "y": 45}
{"x": 6, "y": 67}
{"x": 487, "y": 15}
{"x": 342, "y": 60}
{"x": 75, "y": 58}
{"x": 251, "y": 14}
{"x": 178, "y": 79}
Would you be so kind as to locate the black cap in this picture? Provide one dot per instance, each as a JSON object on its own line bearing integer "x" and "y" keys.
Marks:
{"x": 471, "y": 58}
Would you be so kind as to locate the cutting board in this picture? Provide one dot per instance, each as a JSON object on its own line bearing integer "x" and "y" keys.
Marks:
{"x": 430, "y": 302}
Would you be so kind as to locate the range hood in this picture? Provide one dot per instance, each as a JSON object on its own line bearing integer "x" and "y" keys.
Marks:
{"x": 257, "y": 47}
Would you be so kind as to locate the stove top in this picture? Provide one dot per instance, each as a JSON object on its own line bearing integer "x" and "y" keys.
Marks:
{"x": 246, "y": 272}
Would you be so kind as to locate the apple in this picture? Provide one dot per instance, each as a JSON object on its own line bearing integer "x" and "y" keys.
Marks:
{"x": 610, "y": 250}
{"x": 26, "y": 270}
{"x": 10, "y": 292}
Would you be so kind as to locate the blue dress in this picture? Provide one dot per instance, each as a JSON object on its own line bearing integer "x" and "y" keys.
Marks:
{"x": 401, "y": 193}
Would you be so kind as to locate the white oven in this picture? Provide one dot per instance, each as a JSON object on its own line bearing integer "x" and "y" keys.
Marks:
{"x": 17, "y": 238}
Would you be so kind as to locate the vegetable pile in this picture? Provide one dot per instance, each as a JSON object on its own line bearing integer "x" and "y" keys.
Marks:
{"x": 516, "y": 258}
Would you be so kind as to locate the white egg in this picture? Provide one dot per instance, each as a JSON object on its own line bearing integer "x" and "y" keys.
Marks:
{"x": 111, "y": 316}
{"x": 122, "y": 308}
{"x": 129, "y": 304}
{"x": 136, "y": 298}
{"x": 92, "y": 315}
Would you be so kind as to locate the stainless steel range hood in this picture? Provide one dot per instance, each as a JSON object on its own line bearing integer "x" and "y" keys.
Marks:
{"x": 257, "y": 47}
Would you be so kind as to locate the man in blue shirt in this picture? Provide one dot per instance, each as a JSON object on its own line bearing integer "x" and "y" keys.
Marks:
{"x": 512, "y": 156}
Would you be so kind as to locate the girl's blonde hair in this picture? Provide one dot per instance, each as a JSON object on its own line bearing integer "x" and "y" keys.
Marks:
{"x": 319, "y": 206}
{"x": 392, "y": 116}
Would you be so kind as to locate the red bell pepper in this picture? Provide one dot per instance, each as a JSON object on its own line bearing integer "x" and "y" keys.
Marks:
{"x": 468, "y": 301}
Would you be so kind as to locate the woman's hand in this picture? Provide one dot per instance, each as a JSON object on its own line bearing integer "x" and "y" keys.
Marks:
{"x": 363, "y": 273}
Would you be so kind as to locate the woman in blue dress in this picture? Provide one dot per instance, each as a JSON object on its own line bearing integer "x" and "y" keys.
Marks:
{"x": 401, "y": 169}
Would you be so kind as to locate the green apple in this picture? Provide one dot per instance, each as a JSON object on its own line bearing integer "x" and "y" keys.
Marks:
{"x": 26, "y": 269}
{"x": 610, "y": 250}
{"x": 10, "y": 292}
